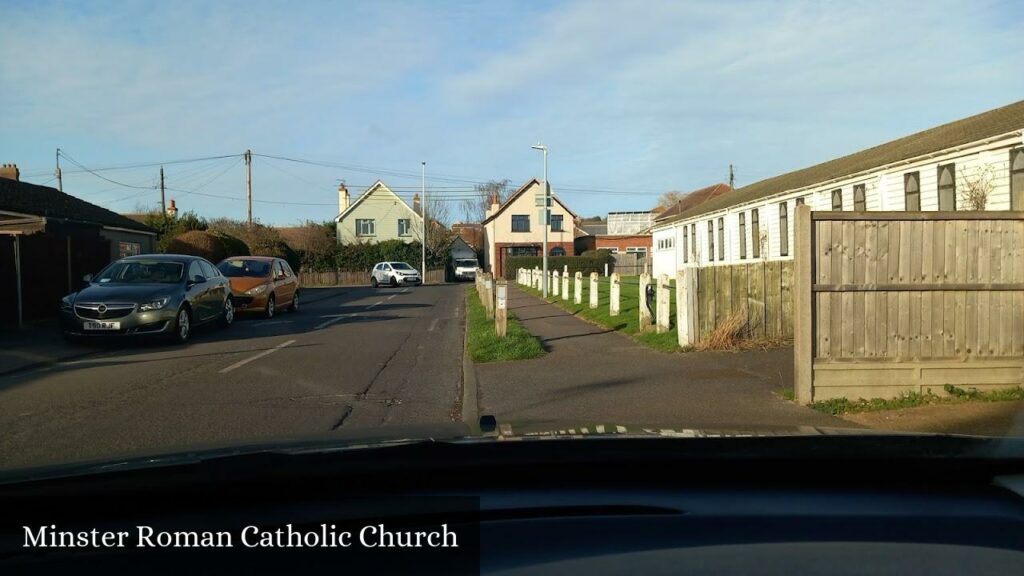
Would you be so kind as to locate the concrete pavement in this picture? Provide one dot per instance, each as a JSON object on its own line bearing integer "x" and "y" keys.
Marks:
{"x": 366, "y": 358}
{"x": 593, "y": 375}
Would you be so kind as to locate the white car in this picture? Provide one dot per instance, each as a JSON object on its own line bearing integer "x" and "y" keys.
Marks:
{"x": 465, "y": 268}
{"x": 395, "y": 274}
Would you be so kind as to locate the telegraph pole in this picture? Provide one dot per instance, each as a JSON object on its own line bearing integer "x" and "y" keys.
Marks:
{"x": 248, "y": 182}
{"x": 60, "y": 177}
{"x": 163, "y": 201}
{"x": 423, "y": 214}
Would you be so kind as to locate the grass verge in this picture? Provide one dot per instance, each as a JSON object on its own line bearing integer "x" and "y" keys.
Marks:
{"x": 485, "y": 346}
{"x": 955, "y": 395}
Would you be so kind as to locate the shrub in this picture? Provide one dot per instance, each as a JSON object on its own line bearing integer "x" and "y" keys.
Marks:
{"x": 601, "y": 254}
{"x": 233, "y": 246}
{"x": 168, "y": 228}
{"x": 198, "y": 243}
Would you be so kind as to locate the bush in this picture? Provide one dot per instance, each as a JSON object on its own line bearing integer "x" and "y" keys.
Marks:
{"x": 261, "y": 240}
{"x": 602, "y": 254}
{"x": 233, "y": 246}
{"x": 198, "y": 243}
{"x": 584, "y": 264}
{"x": 168, "y": 228}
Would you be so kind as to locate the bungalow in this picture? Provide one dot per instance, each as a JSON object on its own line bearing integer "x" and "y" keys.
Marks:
{"x": 973, "y": 163}
{"x": 514, "y": 228}
{"x": 377, "y": 215}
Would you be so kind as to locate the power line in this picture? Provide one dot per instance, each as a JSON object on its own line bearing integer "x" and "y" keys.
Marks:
{"x": 100, "y": 176}
{"x": 133, "y": 166}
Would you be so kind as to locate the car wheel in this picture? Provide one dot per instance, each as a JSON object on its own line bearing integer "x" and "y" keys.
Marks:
{"x": 269, "y": 313}
{"x": 182, "y": 326}
{"x": 227, "y": 316}
{"x": 295, "y": 302}
{"x": 373, "y": 281}
{"x": 394, "y": 282}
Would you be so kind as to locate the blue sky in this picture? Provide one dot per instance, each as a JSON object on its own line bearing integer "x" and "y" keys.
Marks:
{"x": 633, "y": 98}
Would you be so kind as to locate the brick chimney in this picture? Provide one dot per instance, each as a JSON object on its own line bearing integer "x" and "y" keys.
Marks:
{"x": 495, "y": 203}
{"x": 343, "y": 198}
{"x": 172, "y": 210}
{"x": 10, "y": 171}
{"x": 416, "y": 203}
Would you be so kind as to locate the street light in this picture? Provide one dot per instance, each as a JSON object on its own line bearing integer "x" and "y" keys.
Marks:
{"x": 547, "y": 217}
{"x": 423, "y": 215}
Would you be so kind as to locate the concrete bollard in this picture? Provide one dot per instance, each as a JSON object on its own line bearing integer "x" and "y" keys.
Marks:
{"x": 613, "y": 295}
{"x": 578, "y": 288}
{"x": 686, "y": 307}
{"x": 501, "y": 308}
{"x": 536, "y": 278}
{"x": 645, "y": 309}
{"x": 605, "y": 269}
{"x": 664, "y": 296}
{"x": 555, "y": 281}
{"x": 565, "y": 285}
{"x": 489, "y": 295}
{"x": 593, "y": 289}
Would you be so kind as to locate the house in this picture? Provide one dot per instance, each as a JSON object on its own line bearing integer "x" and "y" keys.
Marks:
{"x": 930, "y": 170}
{"x": 49, "y": 240}
{"x": 460, "y": 250}
{"x": 620, "y": 233}
{"x": 666, "y": 258}
{"x": 514, "y": 228}
{"x": 471, "y": 234}
{"x": 377, "y": 215}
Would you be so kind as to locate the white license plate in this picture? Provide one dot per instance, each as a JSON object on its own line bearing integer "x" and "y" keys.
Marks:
{"x": 102, "y": 325}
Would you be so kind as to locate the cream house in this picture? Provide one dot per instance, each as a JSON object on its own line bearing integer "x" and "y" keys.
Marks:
{"x": 514, "y": 228}
{"x": 377, "y": 215}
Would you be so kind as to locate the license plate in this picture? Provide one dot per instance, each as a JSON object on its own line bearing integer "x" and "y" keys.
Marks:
{"x": 102, "y": 325}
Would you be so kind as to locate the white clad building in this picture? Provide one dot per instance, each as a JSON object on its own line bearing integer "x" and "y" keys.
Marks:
{"x": 930, "y": 170}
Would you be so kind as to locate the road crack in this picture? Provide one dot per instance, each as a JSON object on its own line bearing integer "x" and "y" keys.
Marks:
{"x": 341, "y": 421}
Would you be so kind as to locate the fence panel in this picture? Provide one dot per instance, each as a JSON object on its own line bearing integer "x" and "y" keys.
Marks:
{"x": 761, "y": 290}
{"x": 910, "y": 301}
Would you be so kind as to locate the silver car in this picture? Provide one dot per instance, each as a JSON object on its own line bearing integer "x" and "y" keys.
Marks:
{"x": 395, "y": 274}
{"x": 156, "y": 294}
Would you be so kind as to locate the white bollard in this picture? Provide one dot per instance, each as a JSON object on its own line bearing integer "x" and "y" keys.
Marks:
{"x": 664, "y": 296}
{"x": 555, "y": 281}
{"x": 565, "y": 285}
{"x": 613, "y": 295}
{"x": 593, "y": 289}
{"x": 686, "y": 307}
{"x": 578, "y": 288}
{"x": 605, "y": 269}
{"x": 645, "y": 310}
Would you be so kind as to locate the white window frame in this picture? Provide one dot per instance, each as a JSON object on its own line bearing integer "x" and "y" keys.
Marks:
{"x": 370, "y": 222}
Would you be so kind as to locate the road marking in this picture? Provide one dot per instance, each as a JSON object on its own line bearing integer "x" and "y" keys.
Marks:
{"x": 241, "y": 363}
{"x": 392, "y": 296}
{"x": 433, "y": 325}
{"x": 377, "y": 303}
{"x": 333, "y": 319}
{"x": 405, "y": 291}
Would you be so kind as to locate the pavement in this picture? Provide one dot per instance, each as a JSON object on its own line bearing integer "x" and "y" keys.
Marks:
{"x": 351, "y": 359}
{"x": 594, "y": 375}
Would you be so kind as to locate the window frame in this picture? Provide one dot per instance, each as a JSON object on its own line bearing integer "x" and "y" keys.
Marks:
{"x": 686, "y": 244}
{"x": 783, "y": 229}
{"x": 916, "y": 176}
{"x": 126, "y": 248}
{"x": 551, "y": 252}
{"x": 743, "y": 235}
{"x": 520, "y": 218}
{"x": 711, "y": 240}
{"x": 1015, "y": 203}
{"x": 721, "y": 238}
{"x": 371, "y": 222}
{"x": 557, "y": 218}
{"x": 755, "y": 230}
{"x": 693, "y": 242}
{"x": 837, "y": 194}
{"x": 408, "y": 227}
{"x": 860, "y": 198}
{"x": 951, "y": 166}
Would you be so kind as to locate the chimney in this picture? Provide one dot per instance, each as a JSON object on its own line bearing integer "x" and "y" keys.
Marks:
{"x": 495, "y": 203}
{"x": 10, "y": 171}
{"x": 416, "y": 203}
{"x": 343, "y": 198}
{"x": 172, "y": 210}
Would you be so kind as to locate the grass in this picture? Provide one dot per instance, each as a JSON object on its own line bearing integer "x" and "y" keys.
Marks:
{"x": 485, "y": 346}
{"x": 628, "y": 320}
{"x": 954, "y": 395}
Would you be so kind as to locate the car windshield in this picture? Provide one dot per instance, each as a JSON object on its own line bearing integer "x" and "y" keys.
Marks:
{"x": 466, "y": 263}
{"x": 141, "y": 272}
{"x": 401, "y": 266}
{"x": 243, "y": 268}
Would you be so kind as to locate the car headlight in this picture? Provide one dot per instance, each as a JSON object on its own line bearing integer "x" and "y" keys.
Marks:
{"x": 65, "y": 303}
{"x": 154, "y": 305}
{"x": 257, "y": 290}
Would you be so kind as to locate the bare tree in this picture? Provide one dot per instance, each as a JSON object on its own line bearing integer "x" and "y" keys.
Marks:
{"x": 975, "y": 188}
{"x": 439, "y": 218}
{"x": 669, "y": 199}
{"x": 475, "y": 207}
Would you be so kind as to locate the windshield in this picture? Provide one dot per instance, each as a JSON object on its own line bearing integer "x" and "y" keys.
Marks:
{"x": 140, "y": 272}
{"x": 699, "y": 217}
{"x": 245, "y": 268}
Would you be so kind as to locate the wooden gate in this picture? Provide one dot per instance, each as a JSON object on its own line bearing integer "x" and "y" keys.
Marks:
{"x": 892, "y": 302}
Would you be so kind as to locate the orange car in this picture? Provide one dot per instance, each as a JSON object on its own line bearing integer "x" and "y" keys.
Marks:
{"x": 261, "y": 283}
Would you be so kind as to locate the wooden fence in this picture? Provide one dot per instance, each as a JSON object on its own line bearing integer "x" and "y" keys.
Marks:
{"x": 630, "y": 263}
{"x": 350, "y": 278}
{"x": 893, "y": 302}
{"x": 761, "y": 290}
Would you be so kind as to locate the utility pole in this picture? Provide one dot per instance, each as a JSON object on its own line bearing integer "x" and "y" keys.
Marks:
{"x": 423, "y": 214}
{"x": 248, "y": 181}
{"x": 546, "y": 220}
{"x": 732, "y": 177}
{"x": 60, "y": 177}
{"x": 163, "y": 200}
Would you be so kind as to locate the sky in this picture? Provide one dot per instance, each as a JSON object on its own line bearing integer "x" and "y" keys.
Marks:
{"x": 632, "y": 98}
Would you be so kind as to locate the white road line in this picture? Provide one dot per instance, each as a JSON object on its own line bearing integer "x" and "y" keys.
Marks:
{"x": 241, "y": 363}
{"x": 337, "y": 318}
{"x": 377, "y": 303}
{"x": 392, "y": 296}
{"x": 405, "y": 291}
{"x": 433, "y": 325}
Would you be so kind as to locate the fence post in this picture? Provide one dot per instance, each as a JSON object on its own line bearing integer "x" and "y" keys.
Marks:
{"x": 565, "y": 285}
{"x": 803, "y": 314}
{"x": 489, "y": 295}
{"x": 536, "y": 278}
{"x": 686, "y": 307}
{"x": 501, "y": 308}
{"x": 593, "y": 289}
{"x": 645, "y": 309}
{"x": 664, "y": 296}
{"x": 605, "y": 269}
{"x": 578, "y": 288}
{"x": 555, "y": 281}
{"x": 613, "y": 295}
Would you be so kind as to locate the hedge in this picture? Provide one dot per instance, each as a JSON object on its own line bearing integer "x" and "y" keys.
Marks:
{"x": 584, "y": 264}
{"x": 362, "y": 257}
{"x": 203, "y": 243}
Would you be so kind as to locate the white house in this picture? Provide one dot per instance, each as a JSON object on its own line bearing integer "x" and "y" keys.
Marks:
{"x": 929, "y": 170}
{"x": 514, "y": 228}
{"x": 377, "y": 215}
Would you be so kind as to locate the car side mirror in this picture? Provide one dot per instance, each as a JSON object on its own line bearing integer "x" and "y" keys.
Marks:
{"x": 87, "y": 278}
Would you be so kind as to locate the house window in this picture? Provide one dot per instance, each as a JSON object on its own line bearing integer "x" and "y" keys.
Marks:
{"x": 800, "y": 201}
{"x": 126, "y": 249}
{"x": 912, "y": 191}
{"x": 711, "y": 240}
{"x": 557, "y": 251}
{"x": 783, "y": 229}
{"x": 365, "y": 227}
{"x": 686, "y": 245}
{"x": 693, "y": 241}
{"x": 721, "y": 238}
{"x": 1017, "y": 179}
{"x": 636, "y": 250}
{"x": 947, "y": 187}
{"x": 404, "y": 226}
{"x": 522, "y": 251}
{"x": 860, "y": 203}
{"x": 520, "y": 222}
{"x": 755, "y": 229}
{"x": 743, "y": 236}
{"x": 837, "y": 199}
{"x": 556, "y": 223}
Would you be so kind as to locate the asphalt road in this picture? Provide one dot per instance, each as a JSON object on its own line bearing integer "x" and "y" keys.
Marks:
{"x": 366, "y": 358}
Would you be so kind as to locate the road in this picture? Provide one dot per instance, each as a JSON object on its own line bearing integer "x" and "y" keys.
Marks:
{"x": 366, "y": 358}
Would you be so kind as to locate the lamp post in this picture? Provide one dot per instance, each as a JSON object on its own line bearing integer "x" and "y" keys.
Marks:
{"x": 546, "y": 219}
{"x": 423, "y": 214}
